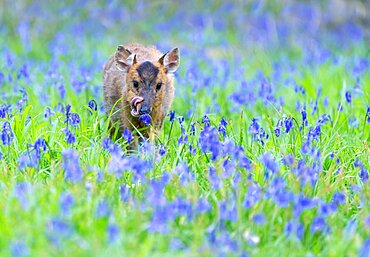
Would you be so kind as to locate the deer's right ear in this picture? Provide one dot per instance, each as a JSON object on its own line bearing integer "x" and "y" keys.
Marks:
{"x": 124, "y": 58}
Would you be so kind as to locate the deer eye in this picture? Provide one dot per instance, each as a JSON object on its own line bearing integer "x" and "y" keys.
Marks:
{"x": 159, "y": 85}
{"x": 135, "y": 83}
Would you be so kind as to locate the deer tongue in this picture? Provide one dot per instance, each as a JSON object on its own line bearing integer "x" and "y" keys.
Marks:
{"x": 135, "y": 105}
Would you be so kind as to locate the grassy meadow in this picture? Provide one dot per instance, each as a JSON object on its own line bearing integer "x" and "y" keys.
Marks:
{"x": 265, "y": 152}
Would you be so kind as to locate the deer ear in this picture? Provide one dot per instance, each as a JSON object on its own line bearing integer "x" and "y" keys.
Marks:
{"x": 124, "y": 58}
{"x": 171, "y": 60}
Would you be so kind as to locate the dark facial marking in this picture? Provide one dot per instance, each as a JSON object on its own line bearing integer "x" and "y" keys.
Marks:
{"x": 147, "y": 71}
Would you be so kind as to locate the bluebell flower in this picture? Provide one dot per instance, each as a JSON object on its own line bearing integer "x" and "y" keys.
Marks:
{"x": 112, "y": 233}
{"x": 71, "y": 165}
{"x": 348, "y": 97}
{"x": 162, "y": 149}
{"x": 367, "y": 222}
{"x": 124, "y": 193}
{"x": 365, "y": 249}
{"x": 206, "y": 121}
{"x": 338, "y": 198}
{"x": 74, "y": 119}
{"x": 252, "y": 196}
{"x": 70, "y": 137}
{"x": 19, "y": 249}
{"x": 127, "y": 135}
{"x": 48, "y": 113}
{"x": 368, "y": 114}
{"x": 318, "y": 224}
{"x": 192, "y": 150}
{"x": 294, "y": 228}
{"x": 145, "y": 119}
{"x": 58, "y": 230}
{"x": 269, "y": 163}
{"x": 92, "y": 106}
{"x": 209, "y": 142}
{"x": 304, "y": 117}
{"x": 171, "y": 114}
{"x": 259, "y": 218}
{"x": 66, "y": 201}
{"x": 7, "y": 134}
{"x": 192, "y": 129}
{"x": 103, "y": 209}
{"x": 278, "y": 127}
{"x": 288, "y": 160}
{"x": 203, "y": 206}
{"x": 214, "y": 179}
{"x": 288, "y": 122}
{"x": 23, "y": 191}
{"x": 258, "y": 133}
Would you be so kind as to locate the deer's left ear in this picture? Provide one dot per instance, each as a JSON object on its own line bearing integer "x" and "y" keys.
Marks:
{"x": 171, "y": 60}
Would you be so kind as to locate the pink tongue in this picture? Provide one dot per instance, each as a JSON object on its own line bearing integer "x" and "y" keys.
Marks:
{"x": 134, "y": 103}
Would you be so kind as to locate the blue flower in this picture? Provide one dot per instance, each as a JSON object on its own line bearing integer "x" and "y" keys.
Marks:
{"x": 127, "y": 135}
{"x": 171, "y": 114}
{"x": 162, "y": 149}
{"x": 103, "y": 209}
{"x": 7, "y": 134}
{"x": 269, "y": 163}
{"x": 124, "y": 193}
{"x": 66, "y": 201}
{"x": 348, "y": 97}
{"x": 92, "y": 106}
{"x": 259, "y": 218}
{"x": 113, "y": 233}
{"x": 252, "y": 196}
{"x": 48, "y": 113}
{"x": 318, "y": 224}
{"x": 145, "y": 119}
{"x": 19, "y": 249}
{"x": 74, "y": 119}
{"x": 71, "y": 165}
{"x": 365, "y": 249}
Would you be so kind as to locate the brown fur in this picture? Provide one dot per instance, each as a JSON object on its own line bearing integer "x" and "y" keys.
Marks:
{"x": 119, "y": 91}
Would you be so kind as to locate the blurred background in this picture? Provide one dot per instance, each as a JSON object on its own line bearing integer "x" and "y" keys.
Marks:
{"x": 220, "y": 41}
{"x": 51, "y": 28}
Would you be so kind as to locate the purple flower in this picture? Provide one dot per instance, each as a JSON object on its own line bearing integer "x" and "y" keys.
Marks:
{"x": 162, "y": 149}
{"x": 365, "y": 249}
{"x": 113, "y": 233}
{"x": 338, "y": 198}
{"x": 92, "y": 106}
{"x": 295, "y": 228}
{"x": 269, "y": 163}
{"x": 19, "y": 249}
{"x": 171, "y": 114}
{"x": 206, "y": 121}
{"x": 71, "y": 166}
{"x": 127, "y": 135}
{"x": 192, "y": 129}
{"x": 66, "y": 201}
{"x": 74, "y": 119}
{"x": 288, "y": 122}
{"x": 214, "y": 179}
{"x": 253, "y": 195}
{"x": 48, "y": 113}
{"x": 304, "y": 117}
{"x": 124, "y": 193}
{"x": 23, "y": 191}
{"x": 7, "y": 134}
{"x": 145, "y": 119}
{"x": 348, "y": 97}
{"x": 368, "y": 114}
{"x": 258, "y": 133}
{"x": 209, "y": 142}
{"x": 259, "y": 218}
{"x": 318, "y": 224}
{"x": 70, "y": 138}
{"x": 103, "y": 209}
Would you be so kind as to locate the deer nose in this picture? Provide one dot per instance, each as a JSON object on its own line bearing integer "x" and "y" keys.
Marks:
{"x": 145, "y": 109}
